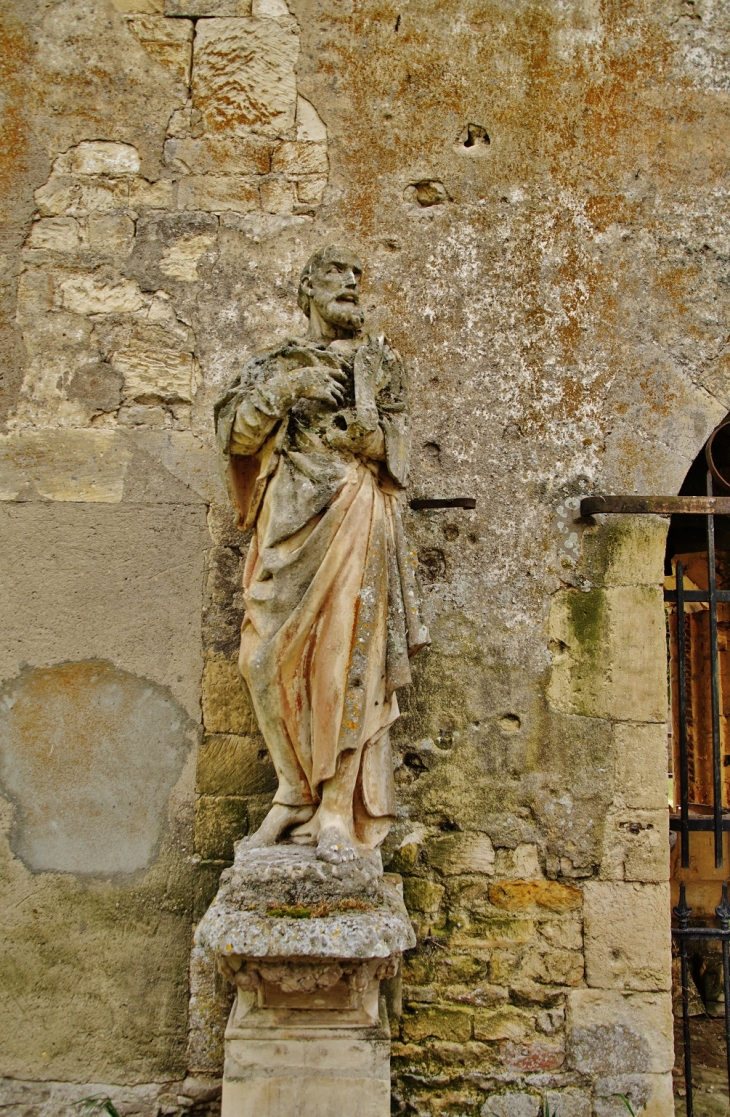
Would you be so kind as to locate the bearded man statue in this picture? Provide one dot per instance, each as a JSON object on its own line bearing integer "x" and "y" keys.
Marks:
{"x": 315, "y": 441}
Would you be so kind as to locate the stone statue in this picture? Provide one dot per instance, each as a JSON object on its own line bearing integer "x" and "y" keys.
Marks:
{"x": 315, "y": 441}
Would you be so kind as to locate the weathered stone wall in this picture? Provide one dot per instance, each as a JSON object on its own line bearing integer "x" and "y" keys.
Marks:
{"x": 539, "y": 192}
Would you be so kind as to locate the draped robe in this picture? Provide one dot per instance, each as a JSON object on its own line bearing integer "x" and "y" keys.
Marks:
{"x": 331, "y": 611}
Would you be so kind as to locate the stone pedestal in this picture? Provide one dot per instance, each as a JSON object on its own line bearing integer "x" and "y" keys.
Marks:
{"x": 307, "y": 945}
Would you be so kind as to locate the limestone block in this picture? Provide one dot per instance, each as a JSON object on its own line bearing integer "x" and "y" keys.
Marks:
{"x": 141, "y": 7}
{"x": 226, "y": 706}
{"x": 110, "y": 232}
{"x": 569, "y": 1103}
{"x": 620, "y": 1033}
{"x": 609, "y": 653}
{"x": 222, "y": 155}
{"x": 278, "y": 196}
{"x": 650, "y": 1095}
{"x": 218, "y": 193}
{"x": 553, "y": 967}
{"x": 462, "y": 853}
{"x": 159, "y": 373}
{"x": 641, "y": 765}
{"x": 152, "y": 195}
{"x": 94, "y": 157}
{"x": 56, "y": 195}
{"x": 55, "y": 234}
{"x": 627, "y": 937}
{"x": 219, "y": 822}
{"x": 494, "y": 932}
{"x": 243, "y": 76}
{"x": 636, "y": 846}
{"x": 85, "y": 295}
{"x": 295, "y": 158}
{"x": 522, "y": 862}
{"x": 438, "y": 1022}
{"x": 232, "y": 765}
{"x": 524, "y": 895}
{"x": 626, "y": 551}
{"x": 512, "y": 1105}
{"x": 308, "y": 1073}
{"x": 422, "y": 895}
{"x": 310, "y": 126}
{"x": 99, "y": 195}
{"x": 182, "y": 258}
{"x": 506, "y": 1022}
{"x": 566, "y": 932}
{"x": 269, "y": 9}
{"x": 311, "y": 190}
{"x": 207, "y": 7}
{"x": 168, "y": 41}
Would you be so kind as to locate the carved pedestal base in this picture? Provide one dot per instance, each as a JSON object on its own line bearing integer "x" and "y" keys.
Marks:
{"x": 307, "y": 945}
{"x": 308, "y": 1069}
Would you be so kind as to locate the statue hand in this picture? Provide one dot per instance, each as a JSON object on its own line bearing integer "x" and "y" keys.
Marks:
{"x": 320, "y": 382}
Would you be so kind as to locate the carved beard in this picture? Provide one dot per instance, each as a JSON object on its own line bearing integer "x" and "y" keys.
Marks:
{"x": 342, "y": 315}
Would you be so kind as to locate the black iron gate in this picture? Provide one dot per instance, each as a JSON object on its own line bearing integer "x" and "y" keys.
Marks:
{"x": 686, "y": 821}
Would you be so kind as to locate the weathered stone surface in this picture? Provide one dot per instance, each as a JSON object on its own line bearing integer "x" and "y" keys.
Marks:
{"x": 562, "y": 314}
{"x": 462, "y": 853}
{"x": 627, "y": 939}
{"x": 231, "y": 765}
{"x": 506, "y": 1022}
{"x": 649, "y": 1094}
{"x": 282, "y": 902}
{"x": 168, "y": 41}
{"x": 226, "y": 707}
{"x": 521, "y": 895}
{"x": 220, "y": 154}
{"x": 641, "y": 766}
{"x": 611, "y": 1033}
{"x": 218, "y": 193}
{"x": 636, "y": 846}
{"x": 220, "y": 821}
{"x": 437, "y": 1021}
{"x": 512, "y": 1105}
{"x": 609, "y": 658}
{"x": 243, "y": 76}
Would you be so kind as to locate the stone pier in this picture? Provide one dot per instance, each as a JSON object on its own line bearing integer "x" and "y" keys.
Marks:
{"x": 307, "y": 945}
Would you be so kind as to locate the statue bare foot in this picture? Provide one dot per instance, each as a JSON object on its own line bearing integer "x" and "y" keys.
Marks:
{"x": 279, "y": 819}
{"x": 335, "y": 845}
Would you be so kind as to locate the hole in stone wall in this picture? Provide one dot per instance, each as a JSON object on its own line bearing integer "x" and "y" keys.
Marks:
{"x": 397, "y": 23}
{"x": 432, "y": 562}
{"x": 340, "y": 422}
{"x": 415, "y": 761}
{"x": 432, "y": 453}
{"x": 451, "y": 532}
{"x": 475, "y": 139}
{"x": 510, "y": 723}
{"x": 445, "y": 738}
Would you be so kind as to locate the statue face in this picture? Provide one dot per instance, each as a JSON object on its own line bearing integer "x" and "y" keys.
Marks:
{"x": 335, "y": 290}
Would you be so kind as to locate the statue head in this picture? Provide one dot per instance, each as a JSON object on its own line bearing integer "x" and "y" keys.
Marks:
{"x": 329, "y": 292}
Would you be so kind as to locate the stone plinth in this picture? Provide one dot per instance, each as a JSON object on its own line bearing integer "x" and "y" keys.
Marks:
{"x": 306, "y": 944}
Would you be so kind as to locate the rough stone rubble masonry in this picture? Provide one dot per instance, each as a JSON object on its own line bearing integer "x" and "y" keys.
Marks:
{"x": 540, "y": 195}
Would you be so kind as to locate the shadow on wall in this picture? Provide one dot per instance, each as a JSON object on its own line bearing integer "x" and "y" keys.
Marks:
{"x": 89, "y": 754}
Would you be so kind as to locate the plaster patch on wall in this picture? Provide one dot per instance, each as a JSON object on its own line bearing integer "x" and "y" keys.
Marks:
{"x": 89, "y": 754}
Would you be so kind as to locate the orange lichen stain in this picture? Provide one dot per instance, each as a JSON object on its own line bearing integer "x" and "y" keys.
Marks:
{"x": 517, "y": 895}
{"x": 14, "y": 128}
